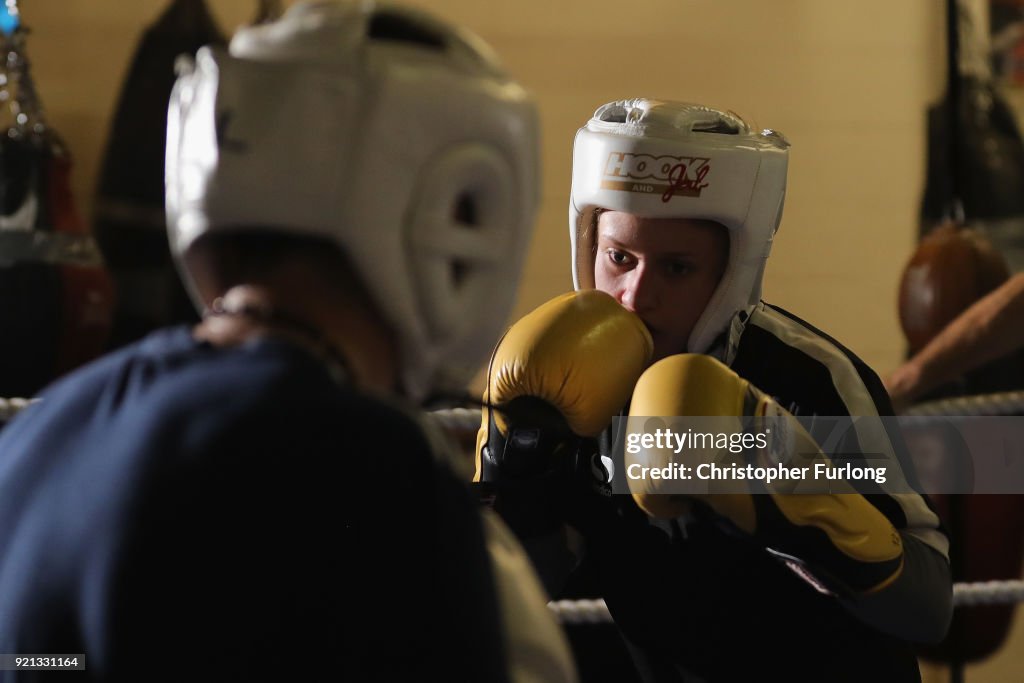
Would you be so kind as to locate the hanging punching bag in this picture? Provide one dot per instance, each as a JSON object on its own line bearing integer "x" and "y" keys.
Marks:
{"x": 56, "y": 297}
{"x": 129, "y": 215}
{"x": 974, "y": 190}
{"x": 975, "y": 170}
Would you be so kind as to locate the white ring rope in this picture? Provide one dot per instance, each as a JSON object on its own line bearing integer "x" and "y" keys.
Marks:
{"x": 988, "y": 593}
{"x": 964, "y": 595}
{"x": 457, "y": 418}
{"x": 581, "y": 611}
{"x": 9, "y": 407}
{"x": 1004, "y": 403}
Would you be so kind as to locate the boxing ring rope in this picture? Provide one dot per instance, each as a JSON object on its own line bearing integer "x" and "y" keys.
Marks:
{"x": 596, "y": 612}
{"x": 457, "y": 418}
{"x": 964, "y": 595}
{"x": 989, "y": 405}
{"x": 9, "y": 407}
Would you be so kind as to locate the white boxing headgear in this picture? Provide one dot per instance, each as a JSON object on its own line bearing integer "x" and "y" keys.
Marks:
{"x": 392, "y": 133}
{"x": 674, "y": 160}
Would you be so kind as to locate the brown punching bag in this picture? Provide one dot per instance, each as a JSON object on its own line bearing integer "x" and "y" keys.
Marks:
{"x": 952, "y": 268}
{"x": 976, "y": 168}
{"x": 56, "y": 297}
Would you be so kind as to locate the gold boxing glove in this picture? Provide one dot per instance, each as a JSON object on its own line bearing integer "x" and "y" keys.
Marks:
{"x": 558, "y": 376}
{"x": 840, "y": 537}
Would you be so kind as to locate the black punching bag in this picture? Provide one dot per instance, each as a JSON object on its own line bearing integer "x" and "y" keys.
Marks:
{"x": 129, "y": 217}
{"x": 975, "y": 171}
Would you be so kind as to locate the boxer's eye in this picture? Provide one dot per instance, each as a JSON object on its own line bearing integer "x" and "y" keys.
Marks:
{"x": 619, "y": 258}
{"x": 679, "y": 267}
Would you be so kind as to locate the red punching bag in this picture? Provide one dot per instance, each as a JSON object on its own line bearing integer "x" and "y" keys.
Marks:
{"x": 56, "y": 297}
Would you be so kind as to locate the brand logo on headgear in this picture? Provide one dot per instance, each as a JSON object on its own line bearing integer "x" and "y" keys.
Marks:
{"x": 666, "y": 175}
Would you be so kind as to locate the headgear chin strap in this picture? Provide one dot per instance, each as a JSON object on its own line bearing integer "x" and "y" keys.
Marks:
{"x": 674, "y": 160}
{"x": 387, "y": 131}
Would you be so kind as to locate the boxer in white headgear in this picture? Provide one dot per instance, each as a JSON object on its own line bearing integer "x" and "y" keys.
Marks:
{"x": 673, "y": 211}
{"x": 393, "y": 135}
{"x": 660, "y": 160}
{"x": 350, "y": 192}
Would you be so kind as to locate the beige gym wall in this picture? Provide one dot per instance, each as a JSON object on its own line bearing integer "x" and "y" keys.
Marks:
{"x": 847, "y": 82}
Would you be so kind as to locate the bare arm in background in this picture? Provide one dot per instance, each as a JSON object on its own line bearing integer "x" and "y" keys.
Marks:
{"x": 991, "y": 328}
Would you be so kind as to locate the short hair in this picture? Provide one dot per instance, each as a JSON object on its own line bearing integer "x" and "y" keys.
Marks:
{"x": 223, "y": 260}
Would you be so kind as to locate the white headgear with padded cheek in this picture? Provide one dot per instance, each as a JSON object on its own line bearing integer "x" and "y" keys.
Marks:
{"x": 387, "y": 131}
{"x": 673, "y": 160}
